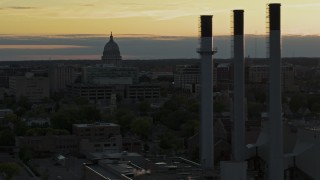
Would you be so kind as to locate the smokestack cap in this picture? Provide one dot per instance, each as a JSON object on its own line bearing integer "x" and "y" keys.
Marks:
{"x": 206, "y": 25}
{"x": 275, "y": 16}
{"x": 238, "y": 22}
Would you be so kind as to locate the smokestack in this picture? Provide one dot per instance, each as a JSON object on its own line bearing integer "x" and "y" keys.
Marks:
{"x": 275, "y": 120}
{"x": 206, "y": 94}
{"x": 238, "y": 89}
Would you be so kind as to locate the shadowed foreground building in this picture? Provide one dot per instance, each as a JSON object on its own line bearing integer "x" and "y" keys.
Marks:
{"x": 129, "y": 166}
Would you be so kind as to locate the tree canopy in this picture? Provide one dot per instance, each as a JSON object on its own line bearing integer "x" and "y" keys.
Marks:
{"x": 10, "y": 169}
{"x": 142, "y": 126}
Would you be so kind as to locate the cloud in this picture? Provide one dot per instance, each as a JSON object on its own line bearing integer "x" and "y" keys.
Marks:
{"x": 158, "y": 10}
{"x": 316, "y": 5}
{"x": 58, "y": 57}
{"x": 88, "y": 5}
{"x": 22, "y": 7}
{"x": 40, "y": 47}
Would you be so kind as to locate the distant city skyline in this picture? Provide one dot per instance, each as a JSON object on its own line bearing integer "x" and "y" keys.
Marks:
{"x": 69, "y": 47}
{"x": 144, "y": 29}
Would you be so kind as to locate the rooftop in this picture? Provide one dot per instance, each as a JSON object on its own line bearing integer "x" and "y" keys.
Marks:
{"x": 150, "y": 168}
{"x": 98, "y": 124}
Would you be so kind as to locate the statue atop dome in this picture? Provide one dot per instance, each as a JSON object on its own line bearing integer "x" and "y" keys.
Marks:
{"x": 111, "y": 52}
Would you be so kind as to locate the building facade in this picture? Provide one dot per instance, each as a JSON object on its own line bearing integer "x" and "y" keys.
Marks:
{"x": 29, "y": 86}
{"x": 257, "y": 76}
{"x": 91, "y": 91}
{"x": 49, "y": 144}
{"x": 142, "y": 92}
{"x": 187, "y": 77}
{"x": 98, "y": 130}
{"x": 104, "y": 74}
{"x": 224, "y": 76}
{"x": 60, "y": 76}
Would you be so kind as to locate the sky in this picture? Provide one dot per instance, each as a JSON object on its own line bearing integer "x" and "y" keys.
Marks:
{"x": 61, "y": 29}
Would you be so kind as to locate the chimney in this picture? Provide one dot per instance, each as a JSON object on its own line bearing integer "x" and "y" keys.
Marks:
{"x": 238, "y": 88}
{"x": 276, "y": 171}
{"x": 206, "y": 94}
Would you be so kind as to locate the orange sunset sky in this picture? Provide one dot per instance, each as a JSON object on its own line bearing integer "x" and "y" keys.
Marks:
{"x": 165, "y": 17}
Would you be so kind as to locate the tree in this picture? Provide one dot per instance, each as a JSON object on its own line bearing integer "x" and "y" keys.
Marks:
{"x": 24, "y": 102}
{"x": 7, "y": 138}
{"x": 9, "y": 169}
{"x": 175, "y": 103}
{"x": 10, "y": 102}
{"x": 80, "y": 100}
{"x": 19, "y": 126}
{"x": 296, "y": 102}
{"x": 144, "y": 107}
{"x": 64, "y": 118}
{"x": 255, "y": 109}
{"x": 11, "y": 117}
{"x": 219, "y": 106}
{"x": 169, "y": 140}
{"x": 57, "y": 96}
{"x": 190, "y": 128}
{"x": 124, "y": 118}
{"x": 193, "y": 107}
{"x": 142, "y": 126}
{"x": 25, "y": 154}
{"x": 315, "y": 107}
{"x": 89, "y": 113}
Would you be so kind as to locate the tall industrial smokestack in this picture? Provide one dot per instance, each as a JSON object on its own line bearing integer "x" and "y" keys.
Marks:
{"x": 238, "y": 89}
{"x": 275, "y": 120}
{"x": 206, "y": 94}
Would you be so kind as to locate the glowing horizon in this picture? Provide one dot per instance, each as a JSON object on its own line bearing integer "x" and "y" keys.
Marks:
{"x": 159, "y": 18}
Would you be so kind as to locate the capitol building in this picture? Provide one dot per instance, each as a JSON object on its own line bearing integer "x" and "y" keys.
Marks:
{"x": 111, "y": 53}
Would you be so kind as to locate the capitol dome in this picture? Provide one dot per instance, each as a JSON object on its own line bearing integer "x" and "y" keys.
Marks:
{"x": 111, "y": 52}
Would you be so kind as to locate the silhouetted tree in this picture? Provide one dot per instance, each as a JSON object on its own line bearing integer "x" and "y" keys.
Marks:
{"x": 142, "y": 126}
{"x": 9, "y": 169}
{"x": 144, "y": 107}
{"x": 124, "y": 117}
{"x": 7, "y": 137}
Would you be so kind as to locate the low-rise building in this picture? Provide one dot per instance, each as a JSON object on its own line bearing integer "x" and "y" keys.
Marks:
{"x": 131, "y": 144}
{"x": 86, "y": 139}
{"x": 96, "y": 130}
{"x": 106, "y": 74}
{"x": 3, "y": 114}
{"x": 129, "y": 166}
{"x": 92, "y": 92}
{"x": 143, "y": 91}
{"x": 111, "y": 144}
{"x": 37, "y": 121}
{"x": 49, "y": 144}
{"x": 98, "y": 137}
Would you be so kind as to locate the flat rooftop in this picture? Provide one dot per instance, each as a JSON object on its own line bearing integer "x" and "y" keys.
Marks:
{"x": 147, "y": 168}
{"x": 94, "y": 125}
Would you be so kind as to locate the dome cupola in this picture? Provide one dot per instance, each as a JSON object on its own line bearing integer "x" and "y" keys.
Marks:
{"x": 111, "y": 52}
